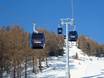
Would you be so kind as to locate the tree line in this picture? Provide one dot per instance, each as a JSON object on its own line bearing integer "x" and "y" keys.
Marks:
{"x": 90, "y": 46}
{"x": 16, "y": 54}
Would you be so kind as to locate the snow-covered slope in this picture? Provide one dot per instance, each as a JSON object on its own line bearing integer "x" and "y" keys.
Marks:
{"x": 84, "y": 67}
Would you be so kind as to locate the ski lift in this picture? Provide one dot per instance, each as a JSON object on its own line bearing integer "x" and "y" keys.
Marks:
{"x": 38, "y": 40}
{"x": 73, "y": 35}
{"x": 64, "y": 36}
{"x": 60, "y": 30}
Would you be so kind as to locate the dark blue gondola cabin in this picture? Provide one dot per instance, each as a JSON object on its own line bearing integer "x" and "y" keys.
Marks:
{"x": 73, "y": 35}
{"x": 60, "y": 30}
{"x": 38, "y": 40}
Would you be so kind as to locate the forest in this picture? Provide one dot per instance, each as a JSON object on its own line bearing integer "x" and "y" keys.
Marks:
{"x": 90, "y": 47}
{"x": 16, "y": 54}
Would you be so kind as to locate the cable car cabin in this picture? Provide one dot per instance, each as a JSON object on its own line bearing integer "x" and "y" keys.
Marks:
{"x": 60, "y": 30}
{"x": 64, "y": 36}
{"x": 73, "y": 35}
{"x": 38, "y": 40}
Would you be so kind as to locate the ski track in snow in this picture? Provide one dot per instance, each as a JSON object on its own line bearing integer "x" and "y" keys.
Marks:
{"x": 85, "y": 67}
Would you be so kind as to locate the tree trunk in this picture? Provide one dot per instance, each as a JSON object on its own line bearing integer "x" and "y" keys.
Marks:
{"x": 33, "y": 59}
{"x": 19, "y": 71}
{"x": 46, "y": 62}
{"x": 26, "y": 67}
{"x": 40, "y": 65}
{"x": 14, "y": 71}
{"x": 1, "y": 71}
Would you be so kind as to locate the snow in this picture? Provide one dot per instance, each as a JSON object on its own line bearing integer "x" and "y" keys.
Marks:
{"x": 84, "y": 67}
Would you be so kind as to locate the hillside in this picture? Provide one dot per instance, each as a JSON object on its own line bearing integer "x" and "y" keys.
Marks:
{"x": 83, "y": 67}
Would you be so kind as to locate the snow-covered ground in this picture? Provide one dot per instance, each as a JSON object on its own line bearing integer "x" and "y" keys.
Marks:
{"x": 84, "y": 67}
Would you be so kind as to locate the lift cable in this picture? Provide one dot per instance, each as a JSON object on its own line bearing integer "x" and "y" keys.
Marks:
{"x": 72, "y": 15}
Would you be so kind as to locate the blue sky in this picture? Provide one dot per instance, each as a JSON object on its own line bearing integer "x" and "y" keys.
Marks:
{"x": 88, "y": 14}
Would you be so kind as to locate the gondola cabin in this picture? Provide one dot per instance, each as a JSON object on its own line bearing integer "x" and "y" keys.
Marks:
{"x": 60, "y": 30}
{"x": 38, "y": 40}
{"x": 73, "y": 35}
